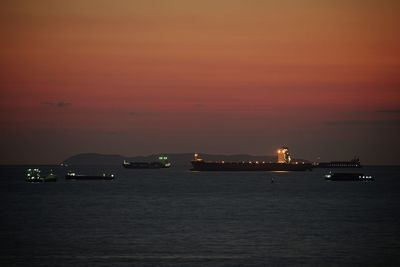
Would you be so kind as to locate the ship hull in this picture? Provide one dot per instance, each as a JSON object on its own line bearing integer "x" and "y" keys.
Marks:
{"x": 42, "y": 180}
{"x": 354, "y": 163}
{"x": 89, "y": 177}
{"x": 247, "y": 166}
{"x": 338, "y": 165}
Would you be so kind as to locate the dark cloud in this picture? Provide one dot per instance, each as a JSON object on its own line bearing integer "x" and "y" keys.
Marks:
{"x": 363, "y": 123}
{"x": 388, "y": 111}
{"x": 108, "y": 132}
{"x": 59, "y": 104}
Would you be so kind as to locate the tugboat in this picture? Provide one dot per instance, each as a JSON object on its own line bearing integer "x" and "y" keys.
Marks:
{"x": 33, "y": 176}
{"x": 284, "y": 163}
{"x": 348, "y": 176}
{"x": 162, "y": 162}
{"x": 74, "y": 176}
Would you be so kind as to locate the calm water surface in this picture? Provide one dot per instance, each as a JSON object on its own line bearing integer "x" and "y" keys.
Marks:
{"x": 175, "y": 217}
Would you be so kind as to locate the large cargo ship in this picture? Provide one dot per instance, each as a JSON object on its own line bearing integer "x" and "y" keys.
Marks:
{"x": 284, "y": 163}
{"x": 354, "y": 163}
{"x": 161, "y": 163}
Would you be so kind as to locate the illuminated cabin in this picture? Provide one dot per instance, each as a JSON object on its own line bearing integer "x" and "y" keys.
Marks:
{"x": 283, "y": 155}
{"x": 196, "y": 157}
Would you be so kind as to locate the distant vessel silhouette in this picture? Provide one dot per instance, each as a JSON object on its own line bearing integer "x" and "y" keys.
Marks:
{"x": 354, "y": 163}
{"x": 74, "y": 176}
{"x": 162, "y": 162}
{"x": 348, "y": 176}
{"x": 284, "y": 163}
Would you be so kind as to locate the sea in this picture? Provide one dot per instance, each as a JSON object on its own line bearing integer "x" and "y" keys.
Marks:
{"x": 175, "y": 217}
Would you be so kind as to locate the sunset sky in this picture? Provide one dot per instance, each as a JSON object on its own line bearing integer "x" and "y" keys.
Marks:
{"x": 222, "y": 76}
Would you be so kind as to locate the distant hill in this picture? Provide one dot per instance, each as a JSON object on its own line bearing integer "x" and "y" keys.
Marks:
{"x": 180, "y": 159}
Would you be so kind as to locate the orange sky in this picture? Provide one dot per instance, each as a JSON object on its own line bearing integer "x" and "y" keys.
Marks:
{"x": 139, "y": 77}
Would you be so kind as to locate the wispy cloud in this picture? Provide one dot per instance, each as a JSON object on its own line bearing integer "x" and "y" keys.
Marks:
{"x": 58, "y": 104}
{"x": 388, "y": 111}
{"x": 363, "y": 123}
{"x": 107, "y": 132}
{"x": 143, "y": 114}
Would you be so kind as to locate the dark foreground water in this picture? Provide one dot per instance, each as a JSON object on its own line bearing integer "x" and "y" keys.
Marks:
{"x": 180, "y": 218}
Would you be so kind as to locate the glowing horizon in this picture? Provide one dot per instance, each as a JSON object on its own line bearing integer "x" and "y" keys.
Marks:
{"x": 141, "y": 77}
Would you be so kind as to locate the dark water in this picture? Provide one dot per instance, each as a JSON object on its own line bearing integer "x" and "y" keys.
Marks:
{"x": 180, "y": 218}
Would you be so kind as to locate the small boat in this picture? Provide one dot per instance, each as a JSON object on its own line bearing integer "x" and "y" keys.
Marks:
{"x": 348, "y": 176}
{"x": 74, "y": 176}
{"x": 51, "y": 177}
{"x": 34, "y": 176}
